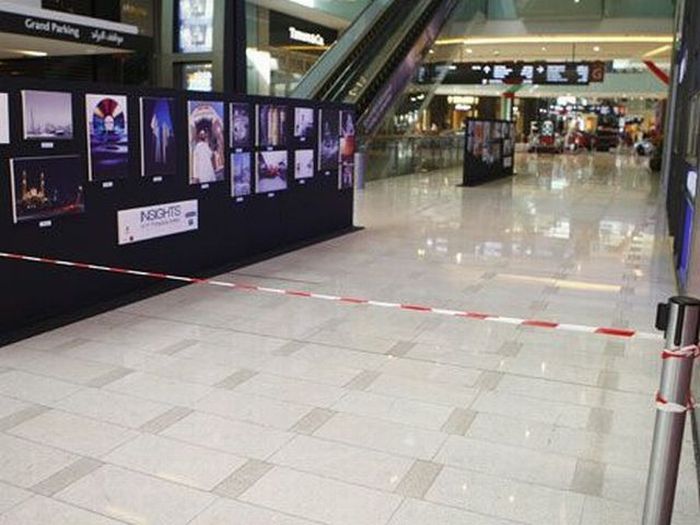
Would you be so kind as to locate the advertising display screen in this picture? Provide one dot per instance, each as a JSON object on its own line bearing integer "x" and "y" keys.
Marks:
{"x": 197, "y": 77}
{"x": 489, "y": 150}
{"x": 195, "y": 26}
{"x": 46, "y": 187}
{"x": 157, "y": 137}
{"x": 108, "y": 137}
{"x": 206, "y": 141}
{"x": 47, "y": 115}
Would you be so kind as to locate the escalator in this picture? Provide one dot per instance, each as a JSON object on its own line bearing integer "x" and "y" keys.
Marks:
{"x": 375, "y": 59}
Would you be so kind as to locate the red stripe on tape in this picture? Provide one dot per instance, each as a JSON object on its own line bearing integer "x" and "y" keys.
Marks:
{"x": 353, "y": 300}
{"x": 118, "y": 270}
{"x": 157, "y": 275}
{"x": 476, "y": 315}
{"x": 247, "y": 287}
{"x": 297, "y": 293}
{"x": 416, "y": 308}
{"x": 619, "y": 332}
{"x": 540, "y": 324}
{"x": 82, "y": 265}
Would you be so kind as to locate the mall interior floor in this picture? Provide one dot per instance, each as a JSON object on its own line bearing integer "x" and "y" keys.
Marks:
{"x": 211, "y": 406}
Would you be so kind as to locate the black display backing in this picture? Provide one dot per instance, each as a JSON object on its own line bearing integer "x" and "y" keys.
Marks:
{"x": 476, "y": 171}
{"x": 230, "y": 233}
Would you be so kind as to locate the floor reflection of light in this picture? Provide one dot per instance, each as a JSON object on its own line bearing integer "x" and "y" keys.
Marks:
{"x": 559, "y": 283}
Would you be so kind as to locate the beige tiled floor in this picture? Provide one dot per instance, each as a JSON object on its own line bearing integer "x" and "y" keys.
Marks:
{"x": 207, "y": 407}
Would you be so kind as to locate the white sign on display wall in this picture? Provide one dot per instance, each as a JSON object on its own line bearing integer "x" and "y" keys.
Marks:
{"x": 158, "y": 220}
{"x": 4, "y": 119}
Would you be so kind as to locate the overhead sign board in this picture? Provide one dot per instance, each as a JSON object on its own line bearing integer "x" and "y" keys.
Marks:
{"x": 288, "y": 30}
{"x": 58, "y": 29}
{"x": 551, "y": 73}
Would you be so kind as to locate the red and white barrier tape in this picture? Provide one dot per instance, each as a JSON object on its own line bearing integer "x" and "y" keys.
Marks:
{"x": 550, "y": 325}
{"x": 663, "y": 404}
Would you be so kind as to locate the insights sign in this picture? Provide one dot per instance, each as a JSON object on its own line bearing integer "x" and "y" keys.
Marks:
{"x": 159, "y": 220}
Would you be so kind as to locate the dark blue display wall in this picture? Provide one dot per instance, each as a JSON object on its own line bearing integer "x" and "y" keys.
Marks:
{"x": 232, "y": 231}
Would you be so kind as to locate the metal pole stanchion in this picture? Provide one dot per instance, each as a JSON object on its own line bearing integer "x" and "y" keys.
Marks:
{"x": 360, "y": 169}
{"x": 680, "y": 320}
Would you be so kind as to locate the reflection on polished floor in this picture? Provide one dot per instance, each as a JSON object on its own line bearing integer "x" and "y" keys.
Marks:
{"x": 208, "y": 406}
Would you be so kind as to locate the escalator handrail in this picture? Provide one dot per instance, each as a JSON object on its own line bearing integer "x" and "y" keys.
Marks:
{"x": 370, "y": 64}
{"x": 325, "y": 66}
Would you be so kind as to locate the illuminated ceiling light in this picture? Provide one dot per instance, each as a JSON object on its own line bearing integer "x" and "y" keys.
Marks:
{"x": 470, "y": 50}
{"x": 657, "y": 51}
{"x": 496, "y": 52}
{"x": 560, "y": 39}
{"x": 596, "y": 48}
{"x": 544, "y": 48}
{"x": 30, "y": 53}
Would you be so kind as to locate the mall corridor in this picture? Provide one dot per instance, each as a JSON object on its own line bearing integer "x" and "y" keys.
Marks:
{"x": 211, "y": 406}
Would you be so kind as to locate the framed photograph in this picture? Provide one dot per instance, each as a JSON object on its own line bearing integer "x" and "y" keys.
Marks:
{"x": 240, "y": 125}
{"x": 47, "y": 115}
{"x": 272, "y": 125}
{"x": 304, "y": 164}
{"x": 107, "y": 137}
{"x": 241, "y": 174}
{"x": 206, "y": 141}
{"x": 158, "y": 137}
{"x": 271, "y": 172}
{"x": 4, "y": 119}
{"x": 346, "y": 168}
{"x": 46, "y": 187}
{"x": 329, "y": 140}
{"x": 304, "y": 124}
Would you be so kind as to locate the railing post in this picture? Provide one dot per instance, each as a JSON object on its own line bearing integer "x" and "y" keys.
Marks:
{"x": 680, "y": 320}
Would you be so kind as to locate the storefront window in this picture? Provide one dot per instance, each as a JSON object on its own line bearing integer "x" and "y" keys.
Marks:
{"x": 282, "y": 48}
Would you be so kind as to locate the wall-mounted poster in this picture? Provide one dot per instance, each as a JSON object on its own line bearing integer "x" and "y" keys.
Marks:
{"x": 46, "y": 187}
{"x": 4, "y": 119}
{"x": 47, "y": 115}
{"x": 272, "y": 171}
{"x": 304, "y": 165}
{"x": 241, "y": 174}
{"x": 329, "y": 141}
{"x": 304, "y": 125}
{"x": 346, "y": 175}
{"x": 240, "y": 125}
{"x": 196, "y": 25}
{"x": 108, "y": 137}
{"x": 272, "y": 125}
{"x": 157, "y": 137}
{"x": 158, "y": 220}
{"x": 206, "y": 138}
